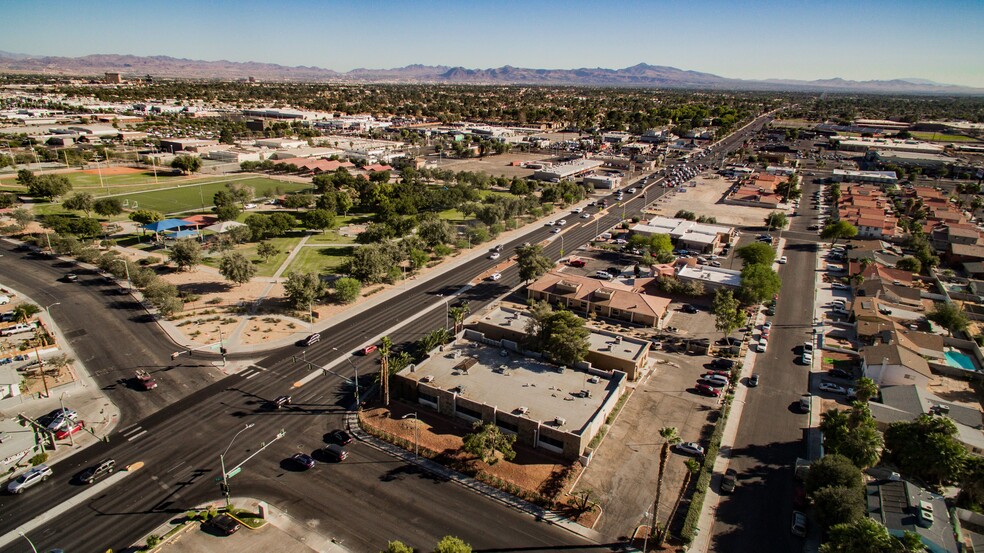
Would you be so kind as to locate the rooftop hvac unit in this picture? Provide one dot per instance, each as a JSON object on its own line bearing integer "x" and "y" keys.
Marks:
{"x": 428, "y": 378}
{"x": 523, "y": 410}
{"x": 560, "y": 421}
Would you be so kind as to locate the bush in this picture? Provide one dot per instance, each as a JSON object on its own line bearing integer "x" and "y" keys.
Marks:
{"x": 38, "y": 459}
{"x": 152, "y": 260}
{"x": 153, "y": 541}
{"x": 689, "y": 529}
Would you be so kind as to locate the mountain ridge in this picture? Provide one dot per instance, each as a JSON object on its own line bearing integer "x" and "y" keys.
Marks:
{"x": 639, "y": 75}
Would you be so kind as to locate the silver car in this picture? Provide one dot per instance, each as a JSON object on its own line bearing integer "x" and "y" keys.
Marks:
{"x": 34, "y": 476}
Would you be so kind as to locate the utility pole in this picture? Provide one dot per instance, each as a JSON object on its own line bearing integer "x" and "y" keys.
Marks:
{"x": 224, "y": 479}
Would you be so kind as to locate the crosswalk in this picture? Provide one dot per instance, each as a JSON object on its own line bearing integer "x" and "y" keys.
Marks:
{"x": 250, "y": 372}
{"x": 133, "y": 432}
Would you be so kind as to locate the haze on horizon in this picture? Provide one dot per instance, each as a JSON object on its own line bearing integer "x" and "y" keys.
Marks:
{"x": 875, "y": 39}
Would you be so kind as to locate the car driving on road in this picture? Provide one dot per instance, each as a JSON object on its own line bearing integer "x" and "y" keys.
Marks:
{"x": 29, "y": 479}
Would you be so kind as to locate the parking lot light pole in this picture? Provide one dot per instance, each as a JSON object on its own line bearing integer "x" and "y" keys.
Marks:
{"x": 225, "y": 475}
{"x": 416, "y": 439}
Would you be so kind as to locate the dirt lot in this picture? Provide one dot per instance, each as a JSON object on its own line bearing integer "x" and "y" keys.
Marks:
{"x": 622, "y": 473}
{"x": 706, "y": 199}
{"x": 493, "y": 165}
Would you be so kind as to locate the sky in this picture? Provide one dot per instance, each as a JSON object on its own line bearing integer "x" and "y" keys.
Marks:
{"x": 790, "y": 39}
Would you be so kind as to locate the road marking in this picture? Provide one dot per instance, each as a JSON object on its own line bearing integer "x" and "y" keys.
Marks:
{"x": 133, "y": 433}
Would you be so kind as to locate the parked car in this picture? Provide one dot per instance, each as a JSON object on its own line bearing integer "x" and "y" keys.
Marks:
{"x": 713, "y": 382}
{"x": 61, "y": 418}
{"x": 225, "y": 524}
{"x": 729, "y": 481}
{"x": 840, "y": 373}
{"x": 782, "y": 260}
{"x": 603, "y": 275}
{"x": 832, "y": 388}
{"x": 762, "y": 345}
{"x": 807, "y": 358}
{"x": 753, "y": 381}
{"x": 576, "y": 263}
{"x": 727, "y": 364}
{"x": 97, "y": 472}
{"x": 29, "y": 479}
{"x": 303, "y": 460}
{"x": 4, "y": 300}
{"x": 804, "y": 402}
{"x": 705, "y": 390}
{"x": 808, "y": 347}
{"x": 688, "y": 308}
{"x": 798, "y": 527}
{"x": 839, "y": 286}
{"x": 71, "y": 277}
{"x": 690, "y": 448}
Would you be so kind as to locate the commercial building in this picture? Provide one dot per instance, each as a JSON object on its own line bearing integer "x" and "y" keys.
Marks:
{"x": 547, "y": 407}
{"x": 869, "y": 177}
{"x": 280, "y": 143}
{"x": 567, "y": 170}
{"x": 175, "y": 145}
{"x": 607, "y": 182}
{"x": 910, "y": 159}
{"x": 691, "y": 235}
{"x": 712, "y": 278}
{"x": 609, "y": 299}
{"x": 863, "y": 144}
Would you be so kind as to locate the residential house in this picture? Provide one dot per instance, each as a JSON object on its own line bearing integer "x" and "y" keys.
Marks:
{"x": 907, "y": 402}
{"x": 902, "y": 506}
{"x": 894, "y": 365}
{"x": 610, "y": 299}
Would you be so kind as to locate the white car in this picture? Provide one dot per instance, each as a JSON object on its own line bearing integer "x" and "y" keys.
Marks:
{"x": 556, "y": 230}
{"x": 585, "y": 215}
{"x": 832, "y": 388}
{"x": 249, "y": 206}
{"x": 4, "y": 300}
{"x": 690, "y": 448}
{"x": 577, "y": 210}
{"x": 840, "y": 286}
{"x": 782, "y": 260}
{"x": 495, "y": 276}
{"x": 761, "y": 346}
{"x": 494, "y": 255}
{"x": 562, "y": 222}
{"x": 767, "y": 326}
{"x": 550, "y": 223}
{"x": 807, "y": 357}
{"x": 631, "y": 191}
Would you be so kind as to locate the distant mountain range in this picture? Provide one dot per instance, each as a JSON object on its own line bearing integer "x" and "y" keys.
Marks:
{"x": 641, "y": 75}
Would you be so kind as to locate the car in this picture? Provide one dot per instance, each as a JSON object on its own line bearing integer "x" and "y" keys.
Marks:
{"x": 550, "y": 223}
{"x": 225, "y": 524}
{"x": 807, "y": 358}
{"x": 713, "y": 382}
{"x": 688, "y": 308}
{"x": 577, "y": 210}
{"x": 576, "y": 263}
{"x": 335, "y": 453}
{"x": 831, "y": 268}
{"x": 4, "y": 300}
{"x": 61, "y": 418}
{"x": 311, "y": 339}
{"x": 494, "y": 255}
{"x": 753, "y": 381}
{"x": 690, "y": 448}
{"x": 603, "y": 275}
{"x": 281, "y": 401}
{"x": 69, "y": 429}
{"x": 798, "y": 527}
{"x": 585, "y": 215}
{"x": 29, "y": 479}
{"x": 762, "y": 345}
{"x": 767, "y": 326}
{"x": 369, "y": 349}
{"x": 71, "y": 277}
{"x": 722, "y": 374}
{"x": 495, "y": 276}
{"x": 303, "y": 460}
{"x": 97, "y": 472}
{"x": 562, "y": 222}
{"x": 729, "y": 481}
{"x": 620, "y": 241}
{"x": 631, "y": 191}
{"x": 832, "y": 388}
{"x": 145, "y": 381}
{"x": 556, "y": 230}
{"x": 782, "y": 260}
{"x": 249, "y": 206}
{"x": 839, "y": 286}
{"x": 338, "y": 436}
{"x": 804, "y": 402}
{"x": 726, "y": 364}
{"x": 497, "y": 248}
{"x": 840, "y": 373}
{"x": 706, "y": 390}
{"x": 808, "y": 347}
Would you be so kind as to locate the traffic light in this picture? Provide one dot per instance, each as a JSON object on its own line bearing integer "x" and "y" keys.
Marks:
{"x": 223, "y": 351}
{"x": 175, "y": 355}
{"x": 224, "y": 487}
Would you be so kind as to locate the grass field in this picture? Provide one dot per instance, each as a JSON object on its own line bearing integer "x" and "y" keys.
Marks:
{"x": 263, "y": 268}
{"x": 318, "y": 260}
{"x": 330, "y": 237}
{"x": 940, "y": 137}
{"x": 187, "y": 198}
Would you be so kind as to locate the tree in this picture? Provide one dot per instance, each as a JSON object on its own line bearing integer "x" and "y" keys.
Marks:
{"x": 776, "y": 219}
{"x": 80, "y": 201}
{"x": 852, "y": 434}
{"x": 838, "y": 504}
{"x": 972, "y": 483}
{"x": 563, "y": 337}
{"x": 266, "y": 250}
{"x": 837, "y": 231}
{"x": 865, "y": 389}
{"x": 347, "y": 290}
{"x": 298, "y": 201}
{"x": 532, "y": 263}
{"x": 236, "y": 268}
{"x": 186, "y": 253}
{"x": 832, "y": 470}
{"x": 758, "y": 284}
{"x": 228, "y": 212}
{"x": 950, "y": 316}
{"x": 370, "y": 263}
{"x": 24, "y": 312}
{"x": 727, "y": 313}
{"x": 397, "y": 547}
{"x": 909, "y": 263}
{"x": 186, "y": 164}
{"x": 435, "y": 231}
{"x": 25, "y": 177}
{"x": 49, "y": 186}
{"x": 756, "y": 253}
{"x": 319, "y": 219}
{"x": 670, "y": 436}
{"x": 487, "y": 440}
{"x": 303, "y": 289}
{"x": 866, "y": 535}
{"x": 451, "y": 544}
{"x": 146, "y": 216}
{"x": 926, "y": 448}
{"x": 7, "y": 200}
{"x": 108, "y": 207}
{"x": 458, "y": 314}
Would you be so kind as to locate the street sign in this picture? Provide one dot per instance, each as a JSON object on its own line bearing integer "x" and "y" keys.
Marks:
{"x": 234, "y": 472}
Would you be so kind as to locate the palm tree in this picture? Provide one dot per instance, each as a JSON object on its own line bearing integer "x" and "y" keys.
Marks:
{"x": 384, "y": 354}
{"x": 458, "y": 314}
{"x": 25, "y": 311}
{"x": 670, "y": 436}
{"x": 865, "y": 389}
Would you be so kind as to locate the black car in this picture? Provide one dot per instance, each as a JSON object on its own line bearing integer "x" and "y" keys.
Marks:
{"x": 339, "y": 437}
{"x": 753, "y": 382}
{"x": 303, "y": 460}
{"x": 730, "y": 481}
{"x": 840, "y": 373}
{"x": 687, "y": 308}
{"x": 281, "y": 401}
{"x": 225, "y": 524}
{"x": 719, "y": 363}
{"x": 102, "y": 470}
{"x": 335, "y": 453}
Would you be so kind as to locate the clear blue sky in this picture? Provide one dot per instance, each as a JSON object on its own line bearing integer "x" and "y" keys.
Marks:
{"x": 862, "y": 39}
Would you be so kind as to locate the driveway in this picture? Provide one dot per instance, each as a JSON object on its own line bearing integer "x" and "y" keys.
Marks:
{"x": 622, "y": 474}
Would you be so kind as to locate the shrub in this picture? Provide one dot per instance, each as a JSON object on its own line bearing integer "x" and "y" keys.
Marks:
{"x": 39, "y": 459}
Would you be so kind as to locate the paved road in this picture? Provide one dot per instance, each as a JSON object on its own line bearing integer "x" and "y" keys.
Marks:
{"x": 368, "y": 500}
{"x": 771, "y": 434}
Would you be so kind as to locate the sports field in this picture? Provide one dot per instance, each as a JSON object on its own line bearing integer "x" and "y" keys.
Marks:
{"x": 193, "y": 196}
{"x": 940, "y": 137}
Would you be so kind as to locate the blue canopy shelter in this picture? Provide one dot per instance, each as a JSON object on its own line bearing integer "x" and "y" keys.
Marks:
{"x": 167, "y": 224}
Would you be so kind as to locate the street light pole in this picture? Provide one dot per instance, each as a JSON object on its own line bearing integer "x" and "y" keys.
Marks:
{"x": 416, "y": 440}
{"x": 447, "y": 311}
{"x": 225, "y": 475}
{"x": 23, "y": 535}
{"x": 358, "y": 397}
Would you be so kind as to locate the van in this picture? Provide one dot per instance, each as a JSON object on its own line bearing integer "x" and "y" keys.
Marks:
{"x": 335, "y": 452}
{"x": 604, "y": 275}
{"x": 17, "y": 329}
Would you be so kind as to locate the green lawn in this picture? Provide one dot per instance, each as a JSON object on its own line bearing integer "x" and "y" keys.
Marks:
{"x": 263, "y": 268}
{"x": 187, "y": 198}
{"x": 319, "y": 260}
{"x": 330, "y": 237}
{"x": 164, "y": 178}
{"x": 940, "y": 137}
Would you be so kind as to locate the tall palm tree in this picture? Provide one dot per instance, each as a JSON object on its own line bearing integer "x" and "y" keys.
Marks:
{"x": 670, "y": 436}
{"x": 384, "y": 354}
{"x": 25, "y": 311}
{"x": 458, "y": 314}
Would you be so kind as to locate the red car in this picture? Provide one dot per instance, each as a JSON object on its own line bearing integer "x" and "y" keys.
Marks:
{"x": 726, "y": 374}
{"x": 66, "y": 431}
{"x": 705, "y": 390}
{"x": 576, "y": 263}
{"x": 369, "y": 349}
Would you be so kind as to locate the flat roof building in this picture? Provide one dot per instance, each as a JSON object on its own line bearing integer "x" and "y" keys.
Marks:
{"x": 863, "y": 144}
{"x": 567, "y": 170}
{"x": 873, "y": 177}
{"x": 713, "y": 278}
{"x": 688, "y": 234}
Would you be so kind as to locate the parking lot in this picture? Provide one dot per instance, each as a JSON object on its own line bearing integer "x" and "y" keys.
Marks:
{"x": 706, "y": 199}
{"x": 622, "y": 474}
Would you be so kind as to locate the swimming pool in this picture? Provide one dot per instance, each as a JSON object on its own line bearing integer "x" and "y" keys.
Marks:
{"x": 960, "y": 360}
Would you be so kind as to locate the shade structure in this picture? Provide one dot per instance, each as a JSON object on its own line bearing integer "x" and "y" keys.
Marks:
{"x": 182, "y": 234}
{"x": 167, "y": 224}
{"x": 224, "y": 226}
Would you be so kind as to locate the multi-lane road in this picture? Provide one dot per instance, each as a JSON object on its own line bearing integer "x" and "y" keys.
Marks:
{"x": 179, "y": 432}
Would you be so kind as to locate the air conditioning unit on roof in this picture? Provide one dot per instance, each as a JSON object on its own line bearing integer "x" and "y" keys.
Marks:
{"x": 428, "y": 378}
